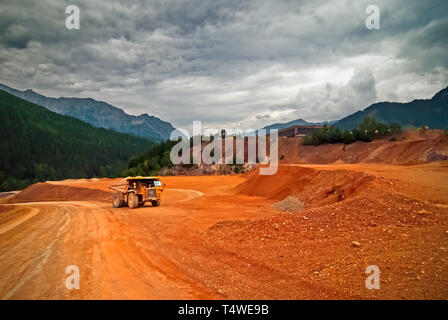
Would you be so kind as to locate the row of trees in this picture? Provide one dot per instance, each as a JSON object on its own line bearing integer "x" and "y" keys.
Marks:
{"x": 151, "y": 161}
{"x": 157, "y": 157}
{"x": 368, "y": 130}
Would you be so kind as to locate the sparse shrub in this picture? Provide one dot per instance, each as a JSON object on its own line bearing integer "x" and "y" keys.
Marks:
{"x": 381, "y": 130}
{"x": 334, "y": 135}
{"x": 308, "y": 140}
{"x": 367, "y": 129}
{"x": 423, "y": 129}
{"x": 348, "y": 137}
{"x": 325, "y": 135}
{"x": 394, "y": 128}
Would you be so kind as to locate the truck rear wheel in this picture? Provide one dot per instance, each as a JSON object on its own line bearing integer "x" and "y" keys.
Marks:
{"x": 132, "y": 200}
{"x": 117, "y": 200}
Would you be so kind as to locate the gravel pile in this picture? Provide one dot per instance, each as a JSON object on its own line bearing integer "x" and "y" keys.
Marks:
{"x": 290, "y": 204}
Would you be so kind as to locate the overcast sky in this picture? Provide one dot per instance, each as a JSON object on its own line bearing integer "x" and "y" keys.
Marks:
{"x": 228, "y": 63}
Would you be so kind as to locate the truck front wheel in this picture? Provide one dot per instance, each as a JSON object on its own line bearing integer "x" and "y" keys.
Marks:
{"x": 132, "y": 200}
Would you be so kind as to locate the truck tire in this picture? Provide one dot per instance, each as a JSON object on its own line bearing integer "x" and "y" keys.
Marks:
{"x": 132, "y": 200}
{"x": 117, "y": 200}
{"x": 156, "y": 203}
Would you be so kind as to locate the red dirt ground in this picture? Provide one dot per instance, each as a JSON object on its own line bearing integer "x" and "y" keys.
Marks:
{"x": 219, "y": 237}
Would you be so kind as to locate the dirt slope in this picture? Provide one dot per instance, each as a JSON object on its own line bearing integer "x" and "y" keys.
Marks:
{"x": 314, "y": 187}
{"x": 312, "y": 254}
{"x": 48, "y": 191}
{"x": 409, "y": 148}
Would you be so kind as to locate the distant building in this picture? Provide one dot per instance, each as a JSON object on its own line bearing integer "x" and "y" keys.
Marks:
{"x": 298, "y": 131}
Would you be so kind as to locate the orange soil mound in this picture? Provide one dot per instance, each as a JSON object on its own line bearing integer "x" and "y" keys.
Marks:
{"x": 53, "y": 192}
{"x": 313, "y": 187}
{"x": 404, "y": 236}
{"x": 409, "y": 148}
{"x": 315, "y": 248}
{"x": 95, "y": 183}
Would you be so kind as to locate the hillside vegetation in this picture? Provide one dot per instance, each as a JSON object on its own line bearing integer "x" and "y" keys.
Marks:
{"x": 37, "y": 144}
{"x": 367, "y": 131}
{"x": 151, "y": 161}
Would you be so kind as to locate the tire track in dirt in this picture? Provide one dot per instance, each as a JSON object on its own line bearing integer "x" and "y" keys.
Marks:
{"x": 134, "y": 263}
{"x": 191, "y": 194}
{"x": 17, "y": 221}
{"x": 39, "y": 261}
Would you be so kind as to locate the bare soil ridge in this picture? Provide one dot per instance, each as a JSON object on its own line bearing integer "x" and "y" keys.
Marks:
{"x": 407, "y": 148}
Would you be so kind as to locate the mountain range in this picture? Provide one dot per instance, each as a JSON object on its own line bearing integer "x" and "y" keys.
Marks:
{"x": 417, "y": 113}
{"x": 99, "y": 114}
{"x": 298, "y": 122}
{"x": 421, "y": 112}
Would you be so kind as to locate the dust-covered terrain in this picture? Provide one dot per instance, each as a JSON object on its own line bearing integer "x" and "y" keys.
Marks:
{"x": 223, "y": 237}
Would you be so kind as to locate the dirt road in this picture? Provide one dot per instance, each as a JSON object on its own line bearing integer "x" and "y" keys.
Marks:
{"x": 220, "y": 237}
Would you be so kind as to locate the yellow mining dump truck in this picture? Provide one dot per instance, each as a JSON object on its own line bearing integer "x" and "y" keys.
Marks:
{"x": 136, "y": 191}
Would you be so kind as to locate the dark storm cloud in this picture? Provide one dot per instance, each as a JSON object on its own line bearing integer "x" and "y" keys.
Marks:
{"x": 234, "y": 63}
{"x": 427, "y": 49}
